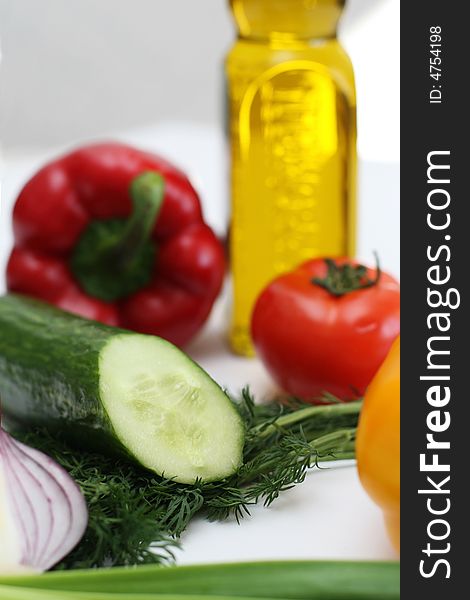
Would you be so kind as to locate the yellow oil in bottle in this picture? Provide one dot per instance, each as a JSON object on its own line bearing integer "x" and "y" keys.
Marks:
{"x": 292, "y": 113}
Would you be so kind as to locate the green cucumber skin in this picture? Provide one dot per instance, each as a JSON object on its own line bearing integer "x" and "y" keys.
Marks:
{"x": 49, "y": 374}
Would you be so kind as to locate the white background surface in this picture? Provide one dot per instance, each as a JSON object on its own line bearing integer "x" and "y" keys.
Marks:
{"x": 75, "y": 69}
{"x": 150, "y": 72}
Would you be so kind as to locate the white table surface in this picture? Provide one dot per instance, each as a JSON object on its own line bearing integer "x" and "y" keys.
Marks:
{"x": 329, "y": 515}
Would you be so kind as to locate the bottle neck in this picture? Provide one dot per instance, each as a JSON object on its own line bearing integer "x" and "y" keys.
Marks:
{"x": 287, "y": 19}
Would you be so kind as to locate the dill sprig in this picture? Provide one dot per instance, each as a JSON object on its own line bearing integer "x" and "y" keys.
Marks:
{"x": 136, "y": 517}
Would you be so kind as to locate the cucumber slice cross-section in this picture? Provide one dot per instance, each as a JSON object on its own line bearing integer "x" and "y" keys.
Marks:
{"x": 167, "y": 411}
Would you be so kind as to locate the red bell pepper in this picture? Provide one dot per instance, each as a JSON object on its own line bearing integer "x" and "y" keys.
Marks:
{"x": 117, "y": 235}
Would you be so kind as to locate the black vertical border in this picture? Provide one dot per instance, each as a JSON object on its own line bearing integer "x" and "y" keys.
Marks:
{"x": 427, "y": 127}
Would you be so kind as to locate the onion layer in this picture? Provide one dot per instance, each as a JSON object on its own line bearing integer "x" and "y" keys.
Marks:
{"x": 43, "y": 514}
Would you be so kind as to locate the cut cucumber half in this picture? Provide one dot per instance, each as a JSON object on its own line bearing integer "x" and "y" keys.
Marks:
{"x": 167, "y": 411}
{"x": 116, "y": 391}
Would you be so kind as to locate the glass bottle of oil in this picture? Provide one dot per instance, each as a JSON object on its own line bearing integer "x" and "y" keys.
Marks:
{"x": 292, "y": 113}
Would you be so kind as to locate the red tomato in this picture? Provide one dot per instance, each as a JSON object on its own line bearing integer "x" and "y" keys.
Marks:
{"x": 313, "y": 339}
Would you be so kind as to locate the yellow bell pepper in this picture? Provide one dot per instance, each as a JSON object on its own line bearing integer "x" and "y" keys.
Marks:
{"x": 378, "y": 441}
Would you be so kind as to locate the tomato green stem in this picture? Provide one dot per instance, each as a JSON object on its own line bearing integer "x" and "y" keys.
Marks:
{"x": 346, "y": 278}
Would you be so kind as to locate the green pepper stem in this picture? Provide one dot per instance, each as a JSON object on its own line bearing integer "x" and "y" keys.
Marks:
{"x": 115, "y": 258}
{"x": 147, "y": 198}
